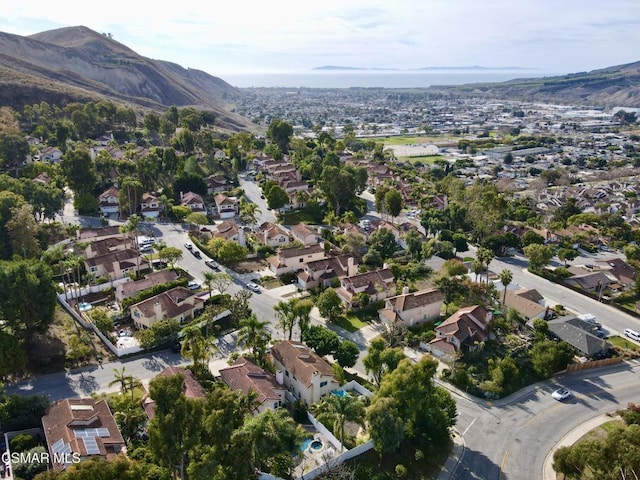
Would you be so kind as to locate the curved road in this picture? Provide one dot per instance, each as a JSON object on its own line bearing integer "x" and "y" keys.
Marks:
{"x": 511, "y": 439}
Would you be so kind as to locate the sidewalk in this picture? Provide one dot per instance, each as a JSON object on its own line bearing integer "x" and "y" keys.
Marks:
{"x": 548, "y": 473}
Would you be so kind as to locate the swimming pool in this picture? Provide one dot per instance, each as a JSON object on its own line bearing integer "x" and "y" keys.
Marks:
{"x": 305, "y": 444}
{"x": 341, "y": 392}
{"x": 84, "y": 306}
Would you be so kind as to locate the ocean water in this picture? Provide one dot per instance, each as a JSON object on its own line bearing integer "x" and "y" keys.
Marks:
{"x": 378, "y": 79}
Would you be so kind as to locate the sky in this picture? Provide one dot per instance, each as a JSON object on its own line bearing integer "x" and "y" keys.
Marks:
{"x": 258, "y": 36}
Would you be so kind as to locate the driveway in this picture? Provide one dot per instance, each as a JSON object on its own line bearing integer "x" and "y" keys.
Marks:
{"x": 252, "y": 192}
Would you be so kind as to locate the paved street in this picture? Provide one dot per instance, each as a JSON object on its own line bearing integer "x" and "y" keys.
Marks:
{"x": 510, "y": 438}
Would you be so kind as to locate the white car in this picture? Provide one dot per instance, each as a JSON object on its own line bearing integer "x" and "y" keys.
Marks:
{"x": 188, "y": 245}
{"x": 561, "y": 394}
{"x": 193, "y": 285}
{"x": 254, "y": 287}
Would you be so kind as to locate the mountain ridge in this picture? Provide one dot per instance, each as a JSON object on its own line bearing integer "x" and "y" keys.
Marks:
{"x": 79, "y": 64}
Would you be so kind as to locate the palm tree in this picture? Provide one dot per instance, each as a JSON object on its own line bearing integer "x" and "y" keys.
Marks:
{"x": 339, "y": 410}
{"x": 285, "y": 311}
{"x": 209, "y": 278}
{"x": 120, "y": 378}
{"x": 303, "y": 315}
{"x": 477, "y": 268}
{"x": 249, "y": 212}
{"x": 484, "y": 256}
{"x": 131, "y": 384}
{"x": 197, "y": 347}
{"x": 506, "y": 276}
{"x": 253, "y": 334}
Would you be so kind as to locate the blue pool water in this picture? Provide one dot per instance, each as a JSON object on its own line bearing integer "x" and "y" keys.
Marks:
{"x": 84, "y": 306}
{"x": 340, "y": 393}
{"x": 305, "y": 444}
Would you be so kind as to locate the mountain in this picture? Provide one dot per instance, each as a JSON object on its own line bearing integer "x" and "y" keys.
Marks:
{"x": 78, "y": 64}
{"x": 606, "y": 87}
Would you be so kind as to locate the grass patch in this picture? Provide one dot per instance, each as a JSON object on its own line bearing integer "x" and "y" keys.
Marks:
{"x": 622, "y": 342}
{"x": 370, "y": 465}
{"x": 269, "y": 282}
{"x": 601, "y": 432}
{"x": 308, "y": 215}
{"x": 350, "y": 322}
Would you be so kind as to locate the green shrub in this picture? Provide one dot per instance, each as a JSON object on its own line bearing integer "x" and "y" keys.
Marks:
{"x": 23, "y": 442}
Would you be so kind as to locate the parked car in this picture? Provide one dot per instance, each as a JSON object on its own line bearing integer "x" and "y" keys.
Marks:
{"x": 212, "y": 265}
{"x": 176, "y": 347}
{"x": 188, "y": 245}
{"x": 196, "y": 253}
{"x": 193, "y": 285}
{"x": 632, "y": 334}
{"x": 561, "y": 394}
{"x": 254, "y": 287}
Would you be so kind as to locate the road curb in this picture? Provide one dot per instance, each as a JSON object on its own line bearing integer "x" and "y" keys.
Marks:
{"x": 548, "y": 473}
{"x": 453, "y": 460}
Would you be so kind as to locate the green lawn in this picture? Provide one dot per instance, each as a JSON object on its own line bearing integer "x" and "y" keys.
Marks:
{"x": 623, "y": 343}
{"x": 350, "y": 323}
{"x": 409, "y": 139}
{"x": 311, "y": 216}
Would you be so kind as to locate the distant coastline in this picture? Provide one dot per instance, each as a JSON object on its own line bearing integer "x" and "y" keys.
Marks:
{"x": 470, "y": 68}
{"x": 374, "y": 79}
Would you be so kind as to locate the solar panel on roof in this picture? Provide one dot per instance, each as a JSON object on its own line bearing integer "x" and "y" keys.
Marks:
{"x": 91, "y": 445}
{"x": 80, "y": 433}
{"x": 57, "y": 446}
{"x": 103, "y": 432}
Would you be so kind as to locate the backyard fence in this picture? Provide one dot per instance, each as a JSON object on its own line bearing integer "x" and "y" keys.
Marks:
{"x": 607, "y": 362}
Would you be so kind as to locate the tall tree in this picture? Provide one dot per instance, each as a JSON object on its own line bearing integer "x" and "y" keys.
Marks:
{"x": 484, "y": 256}
{"x": 409, "y": 395}
{"x": 538, "y": 255}
{"x": 27, "y": 297}
{"x": 337, "y": 411}
{"x": 393, "y": 202}
{"x": 381, "y": 360}
{"x": 79, "y": 170}
{"x": 329, "y": 304}
{"x": 197, "y": 347}
{"x": 279, "y": 132}
{"x": 506, "y": 276}
{"x": 286, "y": 314}
{"x": 253, "y": 334}
{"x": 23, "y": 231}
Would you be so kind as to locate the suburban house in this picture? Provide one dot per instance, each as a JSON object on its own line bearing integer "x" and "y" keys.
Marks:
{"x": 527, "y": 302}
{"x": 294, "y": 259}
{"x": 245, "y": 376}
{"x": 305, "y": 234}
{"x": 307, "y": 376}
{"x": 108, "y": 245}
{"x": 130, "y": 289}
{"x": 273, "y": 235}
{"x": 467, "y": 327}
{"x": 114, "y": 265}
{"x": 49, "y": 155}
{"x": 412, "y": 308}
{"x": 378, "y": 285}
{"x": 224, "y": 206}
{"x": 179, "y": 304}
{"x": 83, "y": 426}
{"x": 321, "y": 273}
{"x": 620, "y": 270}
{"x": 42, "y": 179}
{"x": 95, "y": 234}
{"x": 580, "y": 334}
{"x": 193, "y": 201}
{"x": 298, "y": 198}
{"x": 350, "y": 228}
{"x": 217, "y": 185}
{"x": 191, "y": 388}
{"x": 229, "y": 230}
{"x": 108, "y": 201}
{"x": 150, "y": 206}
{"x": 590, "y": 282}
